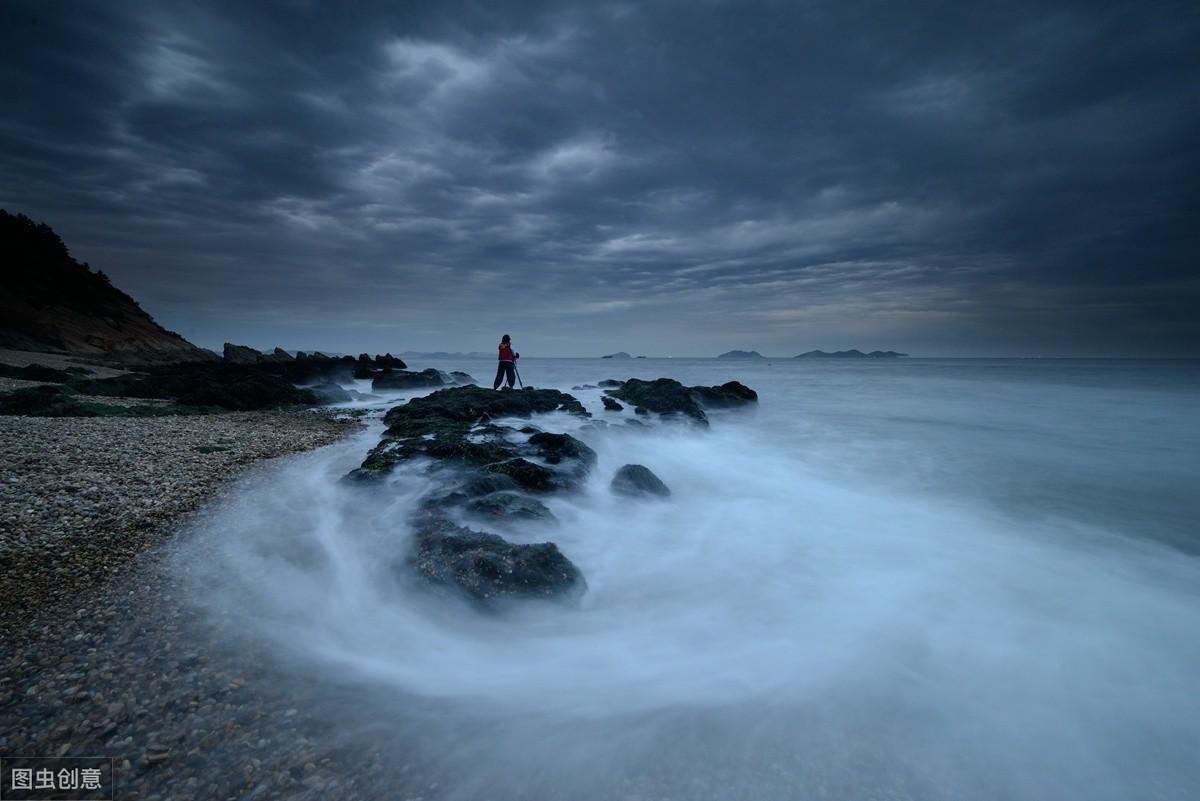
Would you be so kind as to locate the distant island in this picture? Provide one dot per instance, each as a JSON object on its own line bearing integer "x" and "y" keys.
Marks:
{"x": 851, "y": 354}
{"x": 741, "y": 354}
{"x": 619, "y": 355}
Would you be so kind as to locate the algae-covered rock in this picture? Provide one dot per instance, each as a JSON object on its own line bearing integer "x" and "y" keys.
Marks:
{"x": 663, "y": 396}
{"x": 489, "y": 570}
{"x": 509, "y": 506}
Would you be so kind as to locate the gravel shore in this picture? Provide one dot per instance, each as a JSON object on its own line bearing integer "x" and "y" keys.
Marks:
{"x": 80, "y": 497}
{"x": 100, "y": 655}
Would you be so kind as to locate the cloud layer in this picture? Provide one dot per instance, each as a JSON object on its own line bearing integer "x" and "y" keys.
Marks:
{"x": 675, "y": 179}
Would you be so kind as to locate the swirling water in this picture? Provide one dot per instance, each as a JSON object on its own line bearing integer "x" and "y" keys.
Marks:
{"x": 893, "y": 579}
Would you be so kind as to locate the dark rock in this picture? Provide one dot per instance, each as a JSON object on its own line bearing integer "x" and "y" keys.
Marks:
{"x": 611, "y": 382}
{"x": 403, "y": 379}
{"x": 527, "y": 474}
{"x": 60, "y": 401}
{"x": 227, "y": 386}
{"x": 489, "y": 569}
{"x": 44, "y": 401}
{"x": 585, "y": 386}
{"x": 509, "y": 506}
{"x": 635, "y": 480}
{"x": 364, "y": 371}
{"x": 663, "y": 396}
{"x": 640, "y": 410}
{"x": 611, "y": 405}
{"x": 388, "y": 360}
{"x": 554, "y": 448}
{"x": 459, "y": 378}
{"x": 439, "y": 425}
{"x": 728, "y": 395}
{"x": 331, "y": 393}
{"x": 486, "y": 484}
{"x": 741, "y": 354}
{"x": 465, "y": 405}
{"x": 36, "y": 372}
{"x": 364, "y": 358}
{"x": 240, "y": 354}
{"x": 279, "y": 355}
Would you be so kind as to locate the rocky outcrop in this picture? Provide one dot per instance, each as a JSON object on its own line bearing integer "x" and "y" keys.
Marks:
{"x": 618, "y": 355}
{"x": 662, "y": 396}
{"x": 741, "y": 354}
{"x": 489, "y": 471}
{"x": 508, "y": 506}
{"x": 727, "y": 396}
{"x": 666, "y": 396}
{"x": 387, "y": 360}
{"x": 240, "y": 354}
{"x": 483, "y": 469}
{"x": 455, "y": 425}
{"x": 403, "y": 379}
{"x": 38, "y": 372}
{"x": 214, "y": 386}
{"x": 50, "y": 302}
{"x": 611, "y": 405}
{"x": 491, "y": 570}
{"x": 428, "y": 378}
{"x": 557, "y": 448}
{"x": 330, "y": 392}
{"x": 638, "y": 481}
{"x": 279, "y": 355}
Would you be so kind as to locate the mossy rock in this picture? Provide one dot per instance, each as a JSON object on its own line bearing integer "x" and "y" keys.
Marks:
{"x": 527, "y": 474}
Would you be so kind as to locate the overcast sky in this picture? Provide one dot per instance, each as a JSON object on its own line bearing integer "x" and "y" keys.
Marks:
{"x": 663, "y": 178}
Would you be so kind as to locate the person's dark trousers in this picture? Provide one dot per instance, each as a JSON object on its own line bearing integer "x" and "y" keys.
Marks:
{"x": 503, "y": 370}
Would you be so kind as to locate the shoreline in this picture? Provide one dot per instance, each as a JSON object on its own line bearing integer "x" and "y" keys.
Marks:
{"x": 82, "y": 497}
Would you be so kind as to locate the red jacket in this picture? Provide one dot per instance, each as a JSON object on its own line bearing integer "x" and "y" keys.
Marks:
{"x": 506, "y": 354}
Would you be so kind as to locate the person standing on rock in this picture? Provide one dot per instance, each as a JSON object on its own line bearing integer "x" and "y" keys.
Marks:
{"x": 507, "y": 368}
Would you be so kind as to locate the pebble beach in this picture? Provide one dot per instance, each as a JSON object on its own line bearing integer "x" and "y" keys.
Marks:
{"x": 99, "y": 657}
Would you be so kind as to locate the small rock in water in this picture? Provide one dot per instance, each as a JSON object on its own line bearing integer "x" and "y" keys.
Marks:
{"x": 635, "y": 480}
{"x": 611, "y": 405}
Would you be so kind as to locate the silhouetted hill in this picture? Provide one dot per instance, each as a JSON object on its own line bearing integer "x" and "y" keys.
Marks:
{"x": 49, "y": 301}
{"x": 741, "y": 354}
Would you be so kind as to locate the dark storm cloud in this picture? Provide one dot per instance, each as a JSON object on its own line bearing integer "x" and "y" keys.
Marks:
{"x": 670, "y": 178}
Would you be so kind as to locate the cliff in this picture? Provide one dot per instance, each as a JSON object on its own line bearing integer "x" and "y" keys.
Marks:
{"x": 50, "y": 302}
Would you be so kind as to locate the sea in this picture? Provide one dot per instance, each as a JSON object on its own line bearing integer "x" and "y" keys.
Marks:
{"x": 889, "y": 579}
